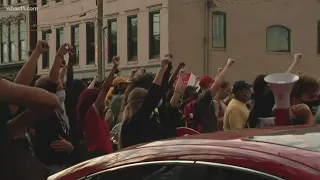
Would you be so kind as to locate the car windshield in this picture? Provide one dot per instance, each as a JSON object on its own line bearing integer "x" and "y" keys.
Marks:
{"x": 307, "y": 138}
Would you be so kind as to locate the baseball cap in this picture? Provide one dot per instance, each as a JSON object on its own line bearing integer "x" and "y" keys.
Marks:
{"x": 205, "y": 80}
{"x": 119, "y": 80}
{"x": 240, "y": 85}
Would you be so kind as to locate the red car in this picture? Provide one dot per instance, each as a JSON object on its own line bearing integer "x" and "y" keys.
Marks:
{"x": 290, "y": 153}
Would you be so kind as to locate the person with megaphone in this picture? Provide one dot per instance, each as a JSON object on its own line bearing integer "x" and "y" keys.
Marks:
{"x": 295, "y": 99}
{"x": 263, "y": 97}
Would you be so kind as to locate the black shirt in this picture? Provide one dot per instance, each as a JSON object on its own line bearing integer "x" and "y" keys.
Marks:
{"x": 5, "y": 117}
{"x": 48, "y": 129}
{"x": 174, "y": 120}
{"x": 205, "y": 111}
{"x": 262, "y": 107}
{"x": 141, "y": 127}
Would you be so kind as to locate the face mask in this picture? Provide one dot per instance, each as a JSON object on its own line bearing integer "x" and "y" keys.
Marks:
{"x": 246, "y": 97}
{"x": 61, "y": 95}
{"x": 313, "y": 105}
{"x": 160, "y": 103}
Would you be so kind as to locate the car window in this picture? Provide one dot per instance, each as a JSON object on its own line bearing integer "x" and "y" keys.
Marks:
{"x": 177, "y": 172}
{"x": 306, "y": 138}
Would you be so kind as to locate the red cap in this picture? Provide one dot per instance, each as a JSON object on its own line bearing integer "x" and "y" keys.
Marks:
{"x": 205, "y": 80}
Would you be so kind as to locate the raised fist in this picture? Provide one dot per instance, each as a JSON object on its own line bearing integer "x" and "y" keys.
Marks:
{"x": 297, "y": 56}
{"x": 42, "y": 46}
{"x": 116, "y": 61}
{"x": 164, "y": 63}
{"x": 182, "y": 71}
{"x": 64, "y": 49}
{"x": 134, "y": 71}
{"x": 169, "y": 55}
{"x": 230, "y": 62}
{"x": 181, "y": 65}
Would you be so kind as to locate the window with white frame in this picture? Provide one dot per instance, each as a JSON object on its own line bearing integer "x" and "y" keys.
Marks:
{"x": 218, "y": 29}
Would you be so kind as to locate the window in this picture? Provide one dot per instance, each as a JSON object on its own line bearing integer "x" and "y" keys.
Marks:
{"x": 154, "y": 33}
{"x": 91, "y": 49}
{"x": 112, "y": 39}
{"x": 219, "y": 30}
{"x": 44, "y": 2}
{"x": 9, "y": 2}
{"x": 12, "y": 46}
{"x": 4, "y": 2}
{"x": 18, "y": 1}
{"x": 4, "y": 43}
{"x": 318, "y": 46}
{"x": 21, "y": 37}
{"x": 132, "y": 38}
{"x": 181, "y": 171}
{"x": 59, "y": 38}
{"x": 57, "y": 1}
{"x": 75, "y": 41}
{"x": 45, "y": 55}
{"x": 278, "y": 39}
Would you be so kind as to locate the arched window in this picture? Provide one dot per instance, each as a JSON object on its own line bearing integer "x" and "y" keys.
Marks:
{"x": 278, "y": 39}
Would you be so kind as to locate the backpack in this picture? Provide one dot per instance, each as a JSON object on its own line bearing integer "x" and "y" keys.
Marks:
{"x": 193, "y": 119}
{"x": 189, "y": 113}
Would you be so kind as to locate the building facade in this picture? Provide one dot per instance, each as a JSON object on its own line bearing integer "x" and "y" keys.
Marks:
{"x": 18, "y": 34}
{"x": 68, "y": 21}
{"x": 264, "y": 35}
{"x": 261, "y": 35}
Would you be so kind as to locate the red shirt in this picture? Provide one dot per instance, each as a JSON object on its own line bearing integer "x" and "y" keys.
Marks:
{"x": 97, "y": 132}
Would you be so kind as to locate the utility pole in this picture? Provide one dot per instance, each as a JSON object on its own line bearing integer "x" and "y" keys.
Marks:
{"x": 100, "y": 46}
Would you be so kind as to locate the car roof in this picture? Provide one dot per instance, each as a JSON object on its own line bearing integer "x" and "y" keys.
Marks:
{"x": 229, "y": 139}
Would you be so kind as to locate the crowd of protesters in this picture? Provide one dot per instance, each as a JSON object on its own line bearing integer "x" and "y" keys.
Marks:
{"x": 49, "y": 124}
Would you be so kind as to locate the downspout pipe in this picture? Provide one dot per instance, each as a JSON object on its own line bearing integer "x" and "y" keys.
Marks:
{"x": 205, "y": 38}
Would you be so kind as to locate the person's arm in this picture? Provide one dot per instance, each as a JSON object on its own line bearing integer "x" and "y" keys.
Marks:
{"x": 132, "y": 74}
{"x": 108, "y": 116}
{"x": 218, "y": 72}
{"x": 63, "y": 72}
{"x": 152, "y": 99}
{"x": 99, "y": 103}
{"x": 236, "y": 119}
{"x": 296, "y": 61}
{"x": 27, "y": 72}
{"x": 216, "y": 107}
{"x": 165, "y": 82}
{"x": 70, "y": 103}
{"x": 173, "y": 77}
{"x": 177, "y": 91}
{"x": 26, "y": 96}
{"x": 309, "y": 120}
{"x": 18, "y": 125}
{"x": 93, "y": 82}
{"x": 55, "y": 70}
{"x": 228, "y": 99}
{"x": 221, "y": 77}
